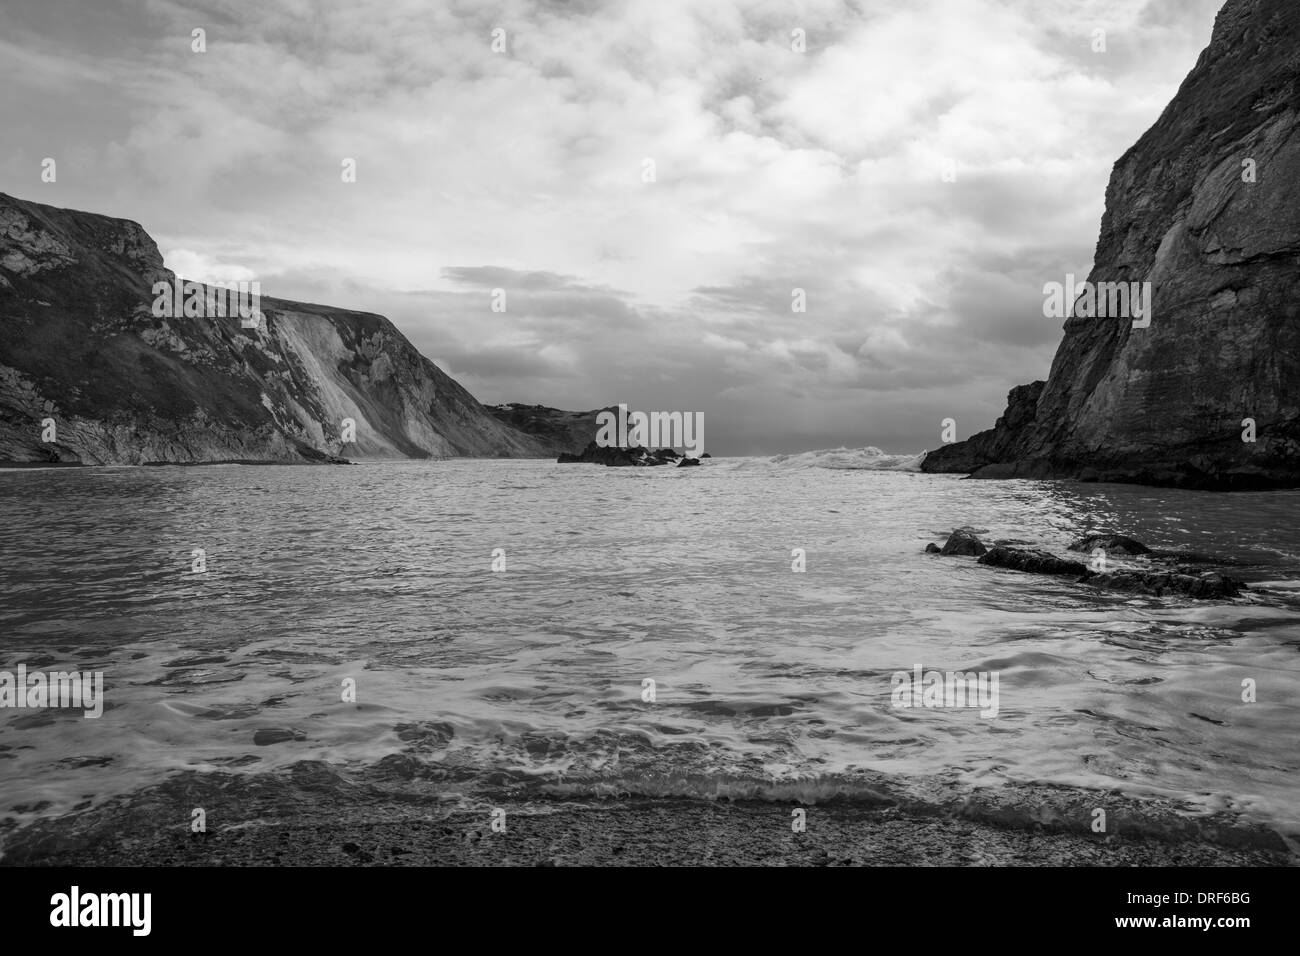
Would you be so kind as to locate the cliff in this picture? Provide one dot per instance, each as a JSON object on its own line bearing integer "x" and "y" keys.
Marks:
{"x": 80, "y": 344}
{"x": 1206, "y": 207}
{"x": 558, "y": 430}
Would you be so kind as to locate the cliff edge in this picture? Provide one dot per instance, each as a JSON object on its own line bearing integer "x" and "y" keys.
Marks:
{"x": 1205, "y": 207}
{"x": 90, "y": 374}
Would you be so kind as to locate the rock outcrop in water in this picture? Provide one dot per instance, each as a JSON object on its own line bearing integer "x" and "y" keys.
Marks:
{"x": 1031, "y": 561}
{"x": 1155, "y": 573}
{"x": 963, "y": 541}
{"x": 612, "y": 456}
{"x": 1206, "y": 207}
{"x": 79, "y": 344}
{"x": 1208, "y": 585}
{"x": 570, "y": 434}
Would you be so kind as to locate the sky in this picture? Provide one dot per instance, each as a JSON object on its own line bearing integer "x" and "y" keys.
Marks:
{"x": 656, "y": 186}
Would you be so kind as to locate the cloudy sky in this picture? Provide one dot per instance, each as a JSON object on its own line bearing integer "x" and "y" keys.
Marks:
{"x": 667, "y": 287}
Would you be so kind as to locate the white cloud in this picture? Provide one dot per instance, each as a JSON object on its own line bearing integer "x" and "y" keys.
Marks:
{"x": 774, "y": 169}
{"x": 199, "y": 267}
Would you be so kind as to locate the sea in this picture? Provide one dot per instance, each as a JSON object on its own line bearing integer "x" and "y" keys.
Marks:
{"x": 574, "y": 632}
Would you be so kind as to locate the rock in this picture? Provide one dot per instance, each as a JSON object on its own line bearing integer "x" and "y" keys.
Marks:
{"x": 559, "y": 430}
{"x": 1207, "y": 586}
{"x": 932, "y": 548}
{"x": 353, "y": 850}
{"x": 613, "y": 457}
{"x": 397, "y": 766}
{"x": 1165, "y": 404}
{"x": 996, "y": 444}
{"x": 608, "y": 455}
{"x": 688, "y": 463}
{"x": 706, "y": 455}
{"x": 277, "y": 735}
{"x": 963, "y": 542}
{"x": 1032, "y": 561}
{"x": 1110, "y": 543}
{"x": 141, "y": 388}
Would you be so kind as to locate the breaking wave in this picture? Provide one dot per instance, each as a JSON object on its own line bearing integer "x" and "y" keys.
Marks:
{"x": 839, "y": 459}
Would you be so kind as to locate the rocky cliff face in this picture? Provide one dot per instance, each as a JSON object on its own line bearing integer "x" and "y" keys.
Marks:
{"x": 557, "y": 429}
{"x": 79, "y": 344}
{"x": 1206, "y": 207}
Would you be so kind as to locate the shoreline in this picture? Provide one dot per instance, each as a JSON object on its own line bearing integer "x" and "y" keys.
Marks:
{"x": 644, "y": 832}
{"x": 309, "y": 819}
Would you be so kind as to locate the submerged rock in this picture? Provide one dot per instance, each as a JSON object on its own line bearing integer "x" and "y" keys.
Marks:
{"x": 277, "y": 735}
{"x": 1190, "y": 557}
{"x": 1109, "y": 543}
{"x": 932, "y": 548}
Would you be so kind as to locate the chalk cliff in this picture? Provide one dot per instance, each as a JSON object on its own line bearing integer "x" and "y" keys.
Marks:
{"x": 1206, "y": 207}
{"x": 80, "y": 345}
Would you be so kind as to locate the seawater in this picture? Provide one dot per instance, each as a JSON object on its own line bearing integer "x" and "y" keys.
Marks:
{"x": 769, "y": 683}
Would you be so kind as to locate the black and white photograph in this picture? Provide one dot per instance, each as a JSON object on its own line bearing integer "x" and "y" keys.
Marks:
{"x": 650, "y": 433}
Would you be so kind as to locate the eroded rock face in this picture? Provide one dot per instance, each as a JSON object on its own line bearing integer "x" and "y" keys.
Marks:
{"x": 996, "y": 444}
{"x": 81, "y": 346}
{"x": 1167, "y": 404}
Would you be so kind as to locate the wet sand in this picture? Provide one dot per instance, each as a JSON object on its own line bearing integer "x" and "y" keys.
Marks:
{"x": 310, "y": 820}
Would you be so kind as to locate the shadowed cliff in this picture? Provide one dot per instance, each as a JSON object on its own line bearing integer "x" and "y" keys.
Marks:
{"x": 1206, "y": 207}
{"x": 79, "y": 344}
{"x": 562, "y": 430}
